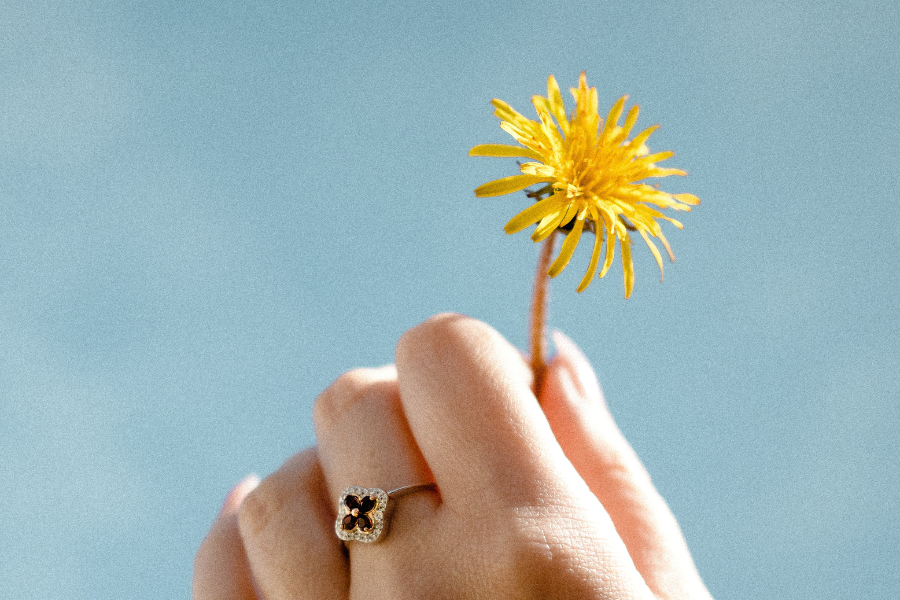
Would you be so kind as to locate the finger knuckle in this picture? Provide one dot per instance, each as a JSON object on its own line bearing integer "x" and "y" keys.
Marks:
{"x": 350, "y": 389}
{"x": 259, "y": 508}
{"x": 299, "y": 477}
{"x": 433, "y": 332}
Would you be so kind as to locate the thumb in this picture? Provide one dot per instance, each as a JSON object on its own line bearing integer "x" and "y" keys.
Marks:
{"x": 575, "y": 408}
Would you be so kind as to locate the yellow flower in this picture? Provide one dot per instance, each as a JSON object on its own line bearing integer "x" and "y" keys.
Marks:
{"x": 592, "y": 174}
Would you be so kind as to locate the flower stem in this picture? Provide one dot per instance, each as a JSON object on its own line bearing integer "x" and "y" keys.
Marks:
{"x": 539, "y": 315}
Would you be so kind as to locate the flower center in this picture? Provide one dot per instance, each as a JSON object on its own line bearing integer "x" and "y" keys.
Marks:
{"x": 355, "y": 512}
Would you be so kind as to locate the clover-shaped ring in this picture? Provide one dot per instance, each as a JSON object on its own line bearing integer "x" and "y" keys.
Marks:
{"x": 361, "y": 511}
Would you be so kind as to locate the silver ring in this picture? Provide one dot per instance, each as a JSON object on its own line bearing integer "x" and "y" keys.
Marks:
{"x": 361, "y": 511}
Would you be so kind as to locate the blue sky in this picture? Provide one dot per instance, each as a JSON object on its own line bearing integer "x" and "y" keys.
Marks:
{"x": 209, "y": 210}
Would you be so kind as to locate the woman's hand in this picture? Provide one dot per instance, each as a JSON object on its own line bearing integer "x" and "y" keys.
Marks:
{"x": 532, "y": 501}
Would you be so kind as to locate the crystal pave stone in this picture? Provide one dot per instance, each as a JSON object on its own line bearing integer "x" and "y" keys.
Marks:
{"x": 368, "y": 524}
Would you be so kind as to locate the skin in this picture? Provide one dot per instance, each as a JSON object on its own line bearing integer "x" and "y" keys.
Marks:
{"x": 532, "y": 501}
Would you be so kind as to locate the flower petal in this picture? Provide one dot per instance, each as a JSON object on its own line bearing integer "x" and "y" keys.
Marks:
{"x": 548, "y": 225}
{"x": 568, "y": 247}
{"x": 630, "y": 120}
{"x": 658, "y": 157}
{"x": 351, "y": 501}
{"x": 504, "y": 150}
{"x": 660, "y": 172}
{"x": 612, "y": 119}
{"x": 627, "y": 265}
{"x": 687, "y": 199}
{"x": 538, "y": 170}
{"x": 665, "y": 243}
{"x": 595, "y": 258}
{"x": 557, "y": 107}
{"x": 638, "y": 142}
{"x": 508, "y": 185}
{"x": 533, "y": 214}
{"x": 655, "y": 252}
{"x": 506, "y": 112}
{"x": 534, "y": 139}
{"x": 571, "y": 213}
{"x": 609, "y": 223}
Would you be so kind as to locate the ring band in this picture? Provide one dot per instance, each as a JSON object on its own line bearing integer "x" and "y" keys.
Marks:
{"x": 361, "y": 511}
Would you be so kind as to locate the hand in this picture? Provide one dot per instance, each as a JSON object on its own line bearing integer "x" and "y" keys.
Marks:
{"x": 530, "y": 503}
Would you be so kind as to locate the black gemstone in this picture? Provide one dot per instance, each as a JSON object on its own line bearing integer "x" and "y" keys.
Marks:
{"x": 367, "y": 504}
{"x": 364, "y": 523}
{"x": 349, "y": 522}
{"x": 351, "y": 502}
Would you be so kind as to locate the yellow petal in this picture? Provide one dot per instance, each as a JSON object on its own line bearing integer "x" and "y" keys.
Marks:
{"x": 658, "y": 157}
{"x": 665, "y": 243}
{"x": 655, "y": 252}
{"x": 580, "y": 92}
{"x": 638, "y": 142}
{"x": 630, "y": 120}
{"x": 658, "y": 172}
{"x": 534, "y": 139}
{"x": 570, "y": 214}
{"x": 595, "y": 258}
{"x": 532, "y": 214}
{"x": 610, "y": 245}
{"x": 568, "y": 247}
{"x": 627, "y": 265}
{"x": 548, "y": 225}
{"x": 593, "y": 117}
{"x": 508, "y": 185}
{"x": 541, "y": 105}
{"x": 503, "y": 150}
{"x": 687, "y": 199}
{"x": 612, "y": 119}
{"x": 557, "y": 108}
{"x": 506, "y": 112}
{"x": 538, "y": 170}
{"x": 551, "y": 134}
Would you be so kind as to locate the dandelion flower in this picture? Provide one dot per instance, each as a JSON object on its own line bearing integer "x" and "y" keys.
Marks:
{"x": 593, "y": 178}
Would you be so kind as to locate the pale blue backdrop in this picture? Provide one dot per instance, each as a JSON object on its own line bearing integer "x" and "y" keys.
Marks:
{"x": 209, "y": 210}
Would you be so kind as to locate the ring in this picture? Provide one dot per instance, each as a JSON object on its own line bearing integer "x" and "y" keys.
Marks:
{"x": 361, "y": 511}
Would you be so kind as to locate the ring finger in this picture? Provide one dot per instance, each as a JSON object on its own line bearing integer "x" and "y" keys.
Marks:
{"x": 364, "y": 440}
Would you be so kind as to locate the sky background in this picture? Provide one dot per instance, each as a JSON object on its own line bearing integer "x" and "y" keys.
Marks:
{"x": 209, "y": 210}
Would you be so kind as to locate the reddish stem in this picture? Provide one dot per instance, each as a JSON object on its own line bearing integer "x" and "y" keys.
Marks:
{"x": 538, "y": 323}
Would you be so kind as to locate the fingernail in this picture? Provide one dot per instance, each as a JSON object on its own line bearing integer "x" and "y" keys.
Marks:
{"x": 578, "y": 367}
{"x": 238, "y": 493}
